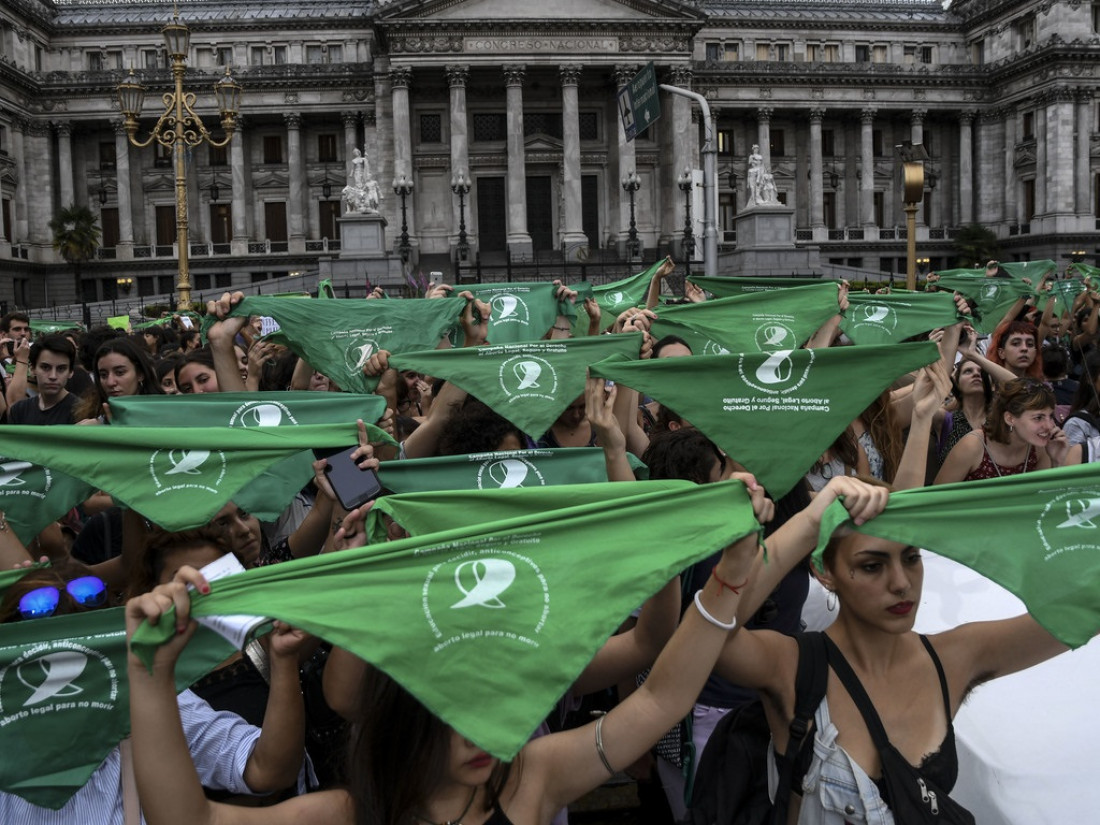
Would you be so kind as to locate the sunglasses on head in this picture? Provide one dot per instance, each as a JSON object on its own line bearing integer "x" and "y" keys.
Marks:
{"x": 87, "y": 591}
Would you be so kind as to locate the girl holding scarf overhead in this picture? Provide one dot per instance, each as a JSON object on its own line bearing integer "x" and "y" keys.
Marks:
{"x": 406, "y": 766}
{"x": 913, "y": 687}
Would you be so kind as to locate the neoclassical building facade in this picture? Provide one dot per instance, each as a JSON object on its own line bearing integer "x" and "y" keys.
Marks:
{"x": 520, "y": 100}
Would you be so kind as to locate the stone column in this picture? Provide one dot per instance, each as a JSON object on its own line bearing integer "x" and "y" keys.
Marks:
{"x": 1042, "y": 171}
{"x": 519, "y": 241}
{"x": 22, "y": 173}
{"x": 989, "y": 183}
{"x": 764, "y": 133}
{"x": 124, "y": 195}
{"x": 626, "y": 161}
{"x": 670, "y": 218}
{"x": 40, "y": 209}
{"x": 867, "y": 167}
{"x": 916, "y": 126}
{"x": 573, "y": 237}
{"x": 351, "y": 140}
{"x": 65, "y": 162}
{"x": 1082, "y": 184}
{"x": 1007, "y": 169}
{"x": 457, "y": 75}
{"x": 239, "y": 242}
{"x": 1061, "y": 165}
{"x": 295, "y": 225}
{"x": 965, "y": 182}
{"x": 817, "y": 198}
{"x": 400, "y": 79}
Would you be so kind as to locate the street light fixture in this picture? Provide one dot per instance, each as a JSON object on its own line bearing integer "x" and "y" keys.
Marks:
{"x": 326, "y": 187}
{"x": 180, "y": 128}
{"x": 124, "y": 285}
{"x": 460, "y": 185}
{"x": 631, "y": 184}
{"x": 403, "y": 187}
{"x": 912, "y": 155}
{"x": 686, "y": 182}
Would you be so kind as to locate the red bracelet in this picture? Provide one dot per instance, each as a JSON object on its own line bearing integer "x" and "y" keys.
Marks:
{"x": 722, "y": 584}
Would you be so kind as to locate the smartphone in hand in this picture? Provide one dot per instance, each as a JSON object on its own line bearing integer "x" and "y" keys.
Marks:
{"x": 353, "y": 487}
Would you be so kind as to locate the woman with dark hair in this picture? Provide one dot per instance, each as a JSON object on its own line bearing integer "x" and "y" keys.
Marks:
{"x": 1020, "y": 435}
{"x": 972, "y": 391}
{"x": 120, "y": 368}
{"x": 166, "y": 374}
{"x": 195, "y": 373}
{"x": 1084, "y": 419}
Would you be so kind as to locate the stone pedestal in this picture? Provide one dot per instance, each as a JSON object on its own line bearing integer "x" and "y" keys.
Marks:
{"x": 362, "y": 236}
{"x": 766, "y": 245}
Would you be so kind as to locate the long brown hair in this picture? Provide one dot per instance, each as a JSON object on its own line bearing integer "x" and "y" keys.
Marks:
{"x": 882, "y": 426}
{"x": 398, "y": 754}
{"x": 1016, "y": 397}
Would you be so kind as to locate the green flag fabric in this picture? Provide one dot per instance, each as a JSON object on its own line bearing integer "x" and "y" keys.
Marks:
{"x": 1065, "y": 292}
{"x": 762, "y": 321}
{"x": 721, "y": 286}
{"x": 32, "y": 496}
{"x": 1032, "y": 270}
{"x": 64, "y": 698}
{"x": 1035, "y": 534}
{"x": 338, "y": 336}
{"x": 178, "y": 477}
{"x": 269, "y": 493}
{"x": 40, "y": 326}
{"x": 618, "y": 296}
{"x": 991, "y": 297}
{"x": 520, "y": 312}
{"x": 488, "y": 625}
{"x": 507, "y": 469}
{"x": 773, "y": 412}
{"x": 890, "y": 318}
{"x": 325, "y": 289}
{"x": 529, "y": 384}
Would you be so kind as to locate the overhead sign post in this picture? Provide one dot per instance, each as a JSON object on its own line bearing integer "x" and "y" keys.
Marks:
{"x": 639, "y": 103}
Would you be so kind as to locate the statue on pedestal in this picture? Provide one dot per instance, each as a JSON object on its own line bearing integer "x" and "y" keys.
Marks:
{"x": 362, "y": 194}
{"x": 761, "y": 184}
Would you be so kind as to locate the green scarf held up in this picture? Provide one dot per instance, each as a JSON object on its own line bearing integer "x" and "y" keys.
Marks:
{"x": 32, "y": 496}
{"x": 761, "y": 321}
{"x": 890, "y": 318}
{"x": 178, "y": 477}
{"x": 990, "y": 297}
{"x": 775, "y": 413}
{"x": 1035, "y": 534}
{"x": 529, "y": 384}
{"x": 721, "y": 286}
{"x": 66, "y": 698}
{"x": 338, "y": 336}
{"x": 489, "y": 624}
{"x": 268, "y": 495}
{"x": 520, "y": 311}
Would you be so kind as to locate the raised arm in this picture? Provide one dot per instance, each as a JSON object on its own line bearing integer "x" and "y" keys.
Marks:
{"x": 221, "y": 336}
{"x": 653, "y": 296}
{"x": 599, "y": 409}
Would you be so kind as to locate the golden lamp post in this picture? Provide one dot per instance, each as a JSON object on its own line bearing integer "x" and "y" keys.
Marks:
{"x": 180, "y": 128}
{"x": 912, "y": 156}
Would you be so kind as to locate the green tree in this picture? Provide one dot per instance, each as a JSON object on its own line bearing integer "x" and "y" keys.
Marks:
{"x": 975, "y": 244}
{"x": 76, "y": 236}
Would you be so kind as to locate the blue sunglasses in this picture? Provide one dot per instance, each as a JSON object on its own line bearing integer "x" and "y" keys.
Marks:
{"x": 87, "y": 591}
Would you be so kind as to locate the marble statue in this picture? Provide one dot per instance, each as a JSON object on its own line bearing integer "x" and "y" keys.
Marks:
{"x": 362, "y": 194}
{"x": 761, "y": 184}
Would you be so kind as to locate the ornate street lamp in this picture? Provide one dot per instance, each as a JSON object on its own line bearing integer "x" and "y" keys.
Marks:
{"x": 326, "y": 186}
{"x": 631, "y": 184}
{"x": 403, "y": 187}
{"x": 912, "y": 156}
{"x": 124, "y": 285}
{"x": 686, "y": 183}
{"x": 180, "y": 128}
{"x": 460, "y": 185}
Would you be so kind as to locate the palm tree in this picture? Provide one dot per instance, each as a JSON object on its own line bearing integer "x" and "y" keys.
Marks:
{"x": 76, "y": 237}
{"x": 976, "y": 244}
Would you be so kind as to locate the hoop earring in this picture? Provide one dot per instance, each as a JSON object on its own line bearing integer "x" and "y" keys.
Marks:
{"x": 830, "y": 601}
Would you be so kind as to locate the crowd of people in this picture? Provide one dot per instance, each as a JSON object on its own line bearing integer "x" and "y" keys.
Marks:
{"x": 315, "y": 734}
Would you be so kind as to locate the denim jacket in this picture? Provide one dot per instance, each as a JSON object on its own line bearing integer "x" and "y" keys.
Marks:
{"x": 835, "y": 790}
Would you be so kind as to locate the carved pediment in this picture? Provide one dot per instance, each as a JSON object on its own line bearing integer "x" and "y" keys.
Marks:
{"x": 493, "y": 11}
{"x": 542, "y": 143}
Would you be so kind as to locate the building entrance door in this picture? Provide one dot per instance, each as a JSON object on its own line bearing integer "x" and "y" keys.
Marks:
{"x": 540, "y": 213}
{"x": 492, "y": 221}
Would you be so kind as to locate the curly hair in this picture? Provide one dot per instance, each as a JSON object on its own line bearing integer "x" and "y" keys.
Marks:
{"x": 1016, "y": 397}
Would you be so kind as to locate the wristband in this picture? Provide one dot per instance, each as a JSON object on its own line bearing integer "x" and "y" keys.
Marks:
{"x": 706, "y": 615}
{"x": 722, "y": 584}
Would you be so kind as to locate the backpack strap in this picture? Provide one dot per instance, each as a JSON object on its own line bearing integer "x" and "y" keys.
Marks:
{"x": 859, "y": 696}
{"x": 809, "y": 689}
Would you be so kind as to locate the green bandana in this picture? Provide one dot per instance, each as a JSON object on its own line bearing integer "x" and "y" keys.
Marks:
{"x": 32, "y": 497}
{"x": 775, "y": 413}
{"x": 621, "y": 295}
{"x": 520, "y": 312}
{"x": 178, "y": 477}
{"x": 1033, "y": 270}
{"x": 889, "y": 319}
{"x": 1064, "y": 292}
{"x": 1035, "y": 534}
{"x": 275, "y": 488}
{"x": 729, "y": 287}
{"x": 529, "y": 384}
{"x": 338, "y": 336}
{"x": 763, "y": 321}
{"x": 488, "y": 625}
{"x": 64, "y": 688}
{"x": 41, "y": 327}
{"x": 992, "y": 296}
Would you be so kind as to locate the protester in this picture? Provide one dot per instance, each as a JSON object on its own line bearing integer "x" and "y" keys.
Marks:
{"x": 51, "y": 361}
{"x": 121, "y": 369}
